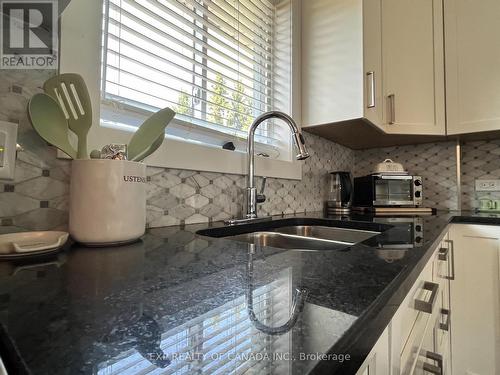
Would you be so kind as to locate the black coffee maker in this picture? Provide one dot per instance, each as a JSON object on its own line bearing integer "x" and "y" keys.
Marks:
{"x": 340, "y": 193}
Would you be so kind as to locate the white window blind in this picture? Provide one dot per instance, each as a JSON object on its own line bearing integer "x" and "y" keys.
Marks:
{"x": 212, "y": 61}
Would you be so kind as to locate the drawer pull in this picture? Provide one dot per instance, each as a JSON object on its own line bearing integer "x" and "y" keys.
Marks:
{"x": 370, "y": 87}
{"x": 436, "y": 370}
{"x": 428, "y": 306}
{"x": 452, "y": 263}
{"x": 427, "y": 367}
{"x": 446, "y": 325}
{"x": 443, "y": 253}
{"x": 392, "y": 109}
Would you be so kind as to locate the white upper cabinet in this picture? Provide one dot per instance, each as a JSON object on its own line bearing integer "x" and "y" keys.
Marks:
{"x": 380, "y": 60}
{"x": 413, "y": 67}
{"x": 341, "y": 61}
{"x": 392, "y": 61}
{"x": 472, "y": 30}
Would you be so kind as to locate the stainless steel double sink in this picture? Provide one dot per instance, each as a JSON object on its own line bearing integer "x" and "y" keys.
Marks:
{"x": 303, "y": 237}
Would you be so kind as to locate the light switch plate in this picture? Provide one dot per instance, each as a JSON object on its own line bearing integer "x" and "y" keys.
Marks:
{"x": 487, "y": 185}
{"x": 8, "y": 141}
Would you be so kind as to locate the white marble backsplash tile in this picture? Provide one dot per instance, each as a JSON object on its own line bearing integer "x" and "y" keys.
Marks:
{"x": 435, "y": 162}
{"x": 38, "y": 197}
{"x": 480, "y": 160}
{"x": 184, "y": 197}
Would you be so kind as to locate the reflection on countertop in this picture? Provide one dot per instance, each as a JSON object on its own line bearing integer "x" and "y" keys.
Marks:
{"x": 176, "y": 302}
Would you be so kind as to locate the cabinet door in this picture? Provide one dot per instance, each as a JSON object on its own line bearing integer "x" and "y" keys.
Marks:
{"x": 372, "y": 56}
{"x": 377, "y": 362}
{"x": 413, "y": 66}
{"x": 472, "y": 65}
{"x": 475, "y": 299}
{"x": 332, "y": 61}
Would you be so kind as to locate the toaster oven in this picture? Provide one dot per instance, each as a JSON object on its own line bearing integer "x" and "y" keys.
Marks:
{"x": 379, "y": 190}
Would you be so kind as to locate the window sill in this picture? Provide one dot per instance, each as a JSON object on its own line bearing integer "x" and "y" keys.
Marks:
{"x": 185, "y": 155}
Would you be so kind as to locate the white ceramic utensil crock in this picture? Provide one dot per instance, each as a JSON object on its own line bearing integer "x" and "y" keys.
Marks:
{"x": 107, "y": 201}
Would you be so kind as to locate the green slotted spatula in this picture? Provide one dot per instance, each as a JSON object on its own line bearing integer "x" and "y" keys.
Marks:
{"x": 70, "y": 91}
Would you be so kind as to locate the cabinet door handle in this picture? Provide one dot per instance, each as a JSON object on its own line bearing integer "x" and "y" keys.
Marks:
{"x": 452, "y": 263}
{"x": 446, "y": 325}
{"x": 392, "y": 108}
{"x": 436, "y": 370}
{"x": 428, "y": 306}
{"x": 370, "y": 89}
{"x": 443, "y": 254}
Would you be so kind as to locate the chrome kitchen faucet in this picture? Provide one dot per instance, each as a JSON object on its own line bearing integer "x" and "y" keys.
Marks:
{"x": 251, "y": 214}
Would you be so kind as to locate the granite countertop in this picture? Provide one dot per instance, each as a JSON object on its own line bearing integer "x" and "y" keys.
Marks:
{"x": 175, "y": 302}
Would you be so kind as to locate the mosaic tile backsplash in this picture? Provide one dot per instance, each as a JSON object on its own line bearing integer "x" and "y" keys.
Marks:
{"x": 480, "y": 160}
{"x": 435, "y": 162}
{"x": 38, "y": 197}
{"x": 181, "y": 196}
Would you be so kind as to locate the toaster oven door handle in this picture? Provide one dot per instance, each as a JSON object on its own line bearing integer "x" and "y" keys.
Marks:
{"x": 398, "y": 177}
{"x": 388, "y": 202}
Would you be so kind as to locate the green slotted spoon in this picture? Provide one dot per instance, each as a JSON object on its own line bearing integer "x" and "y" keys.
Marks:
{"x": 149, "y": 135}
{"x": 70, "y": 91}
{"x": 49, "y": 122}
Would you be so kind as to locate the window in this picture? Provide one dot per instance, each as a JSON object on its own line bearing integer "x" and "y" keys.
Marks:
{"x": 217, "y": 63}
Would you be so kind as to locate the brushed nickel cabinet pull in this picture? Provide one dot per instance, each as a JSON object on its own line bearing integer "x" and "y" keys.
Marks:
{"x": 370, "y": 89}
{"x": 452, "y": 262}
{"x": 446, "y": 325}
{"x": 427, "y": 367}
{"x": 392, "y": 108}
{"x": 443, "y": 253}
{"x": 436, "y": 370}
{"x": 428, "y": 306}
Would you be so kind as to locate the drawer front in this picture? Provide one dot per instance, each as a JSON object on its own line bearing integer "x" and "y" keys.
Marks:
{"x": 418, "y": 317}
{"x": 435, "y": 353}
{"x": 424, "y": 359}
{"x": 408, "y": 313}
{"x": 409, "y": 355}
{"x": 429, "y": 363}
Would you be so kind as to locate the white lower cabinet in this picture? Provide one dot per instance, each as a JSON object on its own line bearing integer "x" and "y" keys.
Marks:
{"x": 475, "y": 300}
{"x": 421, "y": 326}
{"x": 449, "y": 322}
{"x": 417, "y": 339}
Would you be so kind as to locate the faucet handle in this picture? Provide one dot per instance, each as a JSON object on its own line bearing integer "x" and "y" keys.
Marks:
{"x": 261, "y": 197}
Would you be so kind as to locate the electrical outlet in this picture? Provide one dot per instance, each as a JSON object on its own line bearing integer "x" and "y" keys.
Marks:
{"x": 487, "y": 185}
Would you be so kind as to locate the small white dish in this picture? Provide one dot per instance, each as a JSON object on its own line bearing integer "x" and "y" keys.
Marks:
{"x": 22, "y": 244}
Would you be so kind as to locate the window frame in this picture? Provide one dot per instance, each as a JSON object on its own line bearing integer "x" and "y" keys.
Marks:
{"x": 80, "y": 51}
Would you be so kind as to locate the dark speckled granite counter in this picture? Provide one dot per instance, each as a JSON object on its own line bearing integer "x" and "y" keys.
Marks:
{"x": 174, "y": 303}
